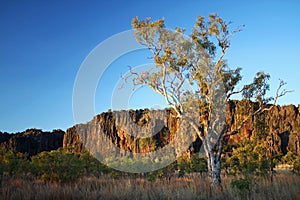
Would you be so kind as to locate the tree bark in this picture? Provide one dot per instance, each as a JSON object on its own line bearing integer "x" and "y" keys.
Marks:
{"x": 214, "y": 170}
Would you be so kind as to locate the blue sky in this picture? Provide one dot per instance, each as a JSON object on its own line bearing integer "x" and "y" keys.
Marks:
{"x": 43, "y": 44}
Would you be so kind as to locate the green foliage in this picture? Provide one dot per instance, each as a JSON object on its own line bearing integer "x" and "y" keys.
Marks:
{"x": 92, "y": 166}
{"x": 199, "y": 61}
{"x": 13, "y": 162}
{"x": 64, "y": 166}
{"x": 292, "y": 159}
{"x": 296, "y": 166}
{"x": 243, "y": 160}
{"x": 231, "y": 78}
{"x": 192, "y": 163}
{"x": 289, "y": 158}
{"x": 57, "y": 166}
{"x": 243, "y": 187}
{"x": 178, "y": 59}
{"x": 256, "y": 154}
{"x": 258, "y": 89}
{"x": 249, "y": 159}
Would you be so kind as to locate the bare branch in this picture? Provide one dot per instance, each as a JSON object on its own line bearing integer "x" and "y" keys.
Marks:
{"x": 261, "y": 109}
{"x": 194, "y": 125}
{"x": 235, "y": 92}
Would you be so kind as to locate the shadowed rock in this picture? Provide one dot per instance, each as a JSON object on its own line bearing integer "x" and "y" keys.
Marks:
{"x": 32, "y": 141}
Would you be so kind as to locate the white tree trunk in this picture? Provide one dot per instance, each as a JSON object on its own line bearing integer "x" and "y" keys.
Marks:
{"x": 215, "y": 173}
{"x": 214, "y": 167}
{"x": 213, "y": 158}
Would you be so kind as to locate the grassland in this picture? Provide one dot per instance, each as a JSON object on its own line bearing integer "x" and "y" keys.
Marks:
{"x": 284, "y": 186}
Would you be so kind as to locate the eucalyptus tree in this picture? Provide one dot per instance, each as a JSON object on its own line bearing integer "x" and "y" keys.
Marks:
{"x": 191, "y": 73}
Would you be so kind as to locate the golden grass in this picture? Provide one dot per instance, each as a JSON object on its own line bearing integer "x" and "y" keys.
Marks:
{"x": 284, "y": 186}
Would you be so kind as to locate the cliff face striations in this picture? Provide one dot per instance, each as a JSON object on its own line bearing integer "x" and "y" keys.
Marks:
{"x": 282, "y": 124}
{"x": 143, "y": 131}
{"x": 132, "y": 131}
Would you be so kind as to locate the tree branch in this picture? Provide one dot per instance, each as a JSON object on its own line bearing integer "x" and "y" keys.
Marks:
{"x": 261, "y": 109}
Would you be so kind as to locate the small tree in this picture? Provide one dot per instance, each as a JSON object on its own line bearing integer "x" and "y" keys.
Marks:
{"x": 57, "y": 166}
{"x": 192, "y": 75}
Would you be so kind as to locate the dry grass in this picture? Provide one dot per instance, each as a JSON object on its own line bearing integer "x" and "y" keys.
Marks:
{"x": 284, "y": 186}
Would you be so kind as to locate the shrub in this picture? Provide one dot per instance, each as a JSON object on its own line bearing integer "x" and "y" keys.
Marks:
{"x": 13, "y": 162}
{"x": 57, "y": 166}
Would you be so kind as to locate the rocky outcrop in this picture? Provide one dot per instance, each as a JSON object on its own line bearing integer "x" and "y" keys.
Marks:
{"x": 282, "y": 124}
{"x": 125, "y": 130}
{"x": 32, "y": 141}
{"x": 141, "y": 131}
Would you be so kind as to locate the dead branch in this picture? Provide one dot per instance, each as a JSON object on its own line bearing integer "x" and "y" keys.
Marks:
{"x": 261, "y": 109}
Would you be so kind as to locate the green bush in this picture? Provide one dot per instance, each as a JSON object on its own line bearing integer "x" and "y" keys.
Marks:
{"x": 57, "y": 166}
{"x": 13, "y": 163}
{"x": 289, "y": 158}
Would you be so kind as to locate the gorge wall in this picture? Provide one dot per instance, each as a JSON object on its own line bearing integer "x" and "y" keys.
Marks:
{"x": 282, "y": 123}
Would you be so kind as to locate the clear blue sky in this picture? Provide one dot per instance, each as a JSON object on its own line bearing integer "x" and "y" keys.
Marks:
{"x": 43, "y": 44}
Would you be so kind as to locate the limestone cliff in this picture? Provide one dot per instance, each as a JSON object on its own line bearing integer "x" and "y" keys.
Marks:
{"x": 282, "y": 122}
{"x": 119, "y": 128}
